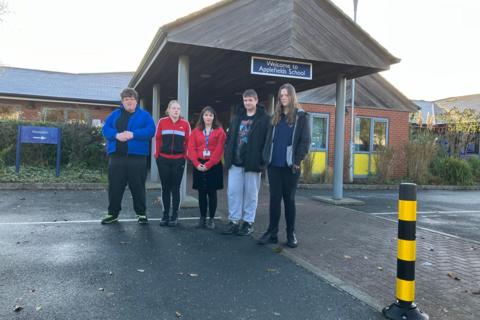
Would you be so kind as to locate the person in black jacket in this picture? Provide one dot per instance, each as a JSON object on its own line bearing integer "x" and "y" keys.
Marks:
{"x": 244, "y": 158}
{"x": 288, "y": 143}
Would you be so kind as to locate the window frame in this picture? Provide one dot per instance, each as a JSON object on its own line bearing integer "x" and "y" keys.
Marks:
{"x": 65, "y": 111}
{"x": 371, "y": 142}
{"x": 325, "y": 116}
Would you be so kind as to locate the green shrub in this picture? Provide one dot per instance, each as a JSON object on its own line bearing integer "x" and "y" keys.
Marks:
{"x": 82, "y": 145}
{"x": 452, "y": 171}
{"x": 474, "y": 163}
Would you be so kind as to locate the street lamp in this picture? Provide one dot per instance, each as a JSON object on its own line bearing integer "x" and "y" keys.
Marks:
{"x": 352, "y": 114}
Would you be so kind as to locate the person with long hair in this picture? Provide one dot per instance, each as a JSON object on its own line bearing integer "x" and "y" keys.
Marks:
{"x": 205, "y": 150}
{"x": 171, "y": 141}
{"x": 288, "y": 143}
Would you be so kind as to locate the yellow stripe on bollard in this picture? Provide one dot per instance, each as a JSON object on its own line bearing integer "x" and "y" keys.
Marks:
{"x": 407, "y": 210}
{"x": 406, "y": 250}
{"x": 405, "y": 290}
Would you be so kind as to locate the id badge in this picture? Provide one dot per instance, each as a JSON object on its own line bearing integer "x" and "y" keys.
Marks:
{"x": 206, "y": 153}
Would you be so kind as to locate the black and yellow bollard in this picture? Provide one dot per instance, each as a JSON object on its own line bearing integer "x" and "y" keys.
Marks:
{"x": 404, "y": 308}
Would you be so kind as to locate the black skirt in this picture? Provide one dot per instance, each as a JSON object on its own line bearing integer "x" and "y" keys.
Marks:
{"x": 208, "y": 180}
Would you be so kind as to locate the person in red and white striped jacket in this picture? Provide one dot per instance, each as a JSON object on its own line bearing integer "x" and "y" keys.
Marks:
{"x": 171, "y": 141}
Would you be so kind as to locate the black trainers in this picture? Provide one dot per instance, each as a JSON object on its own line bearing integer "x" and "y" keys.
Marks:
{"x": 173, "y": 220}
{"x": 246, "y": 229}
{"x": 202, "y": 222}
{"x": 142, "y": 219}
{"x": 211, "y": 223}
{"x": 292, "y": 241}
{"x": 109, "y": 219}
{"x": 164, "y": 221}
{"x": 268, "y": 237}
{"x": 232, "y": 228}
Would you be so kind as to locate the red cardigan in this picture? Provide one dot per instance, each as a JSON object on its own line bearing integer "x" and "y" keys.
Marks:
{"x": 196, "y": 146}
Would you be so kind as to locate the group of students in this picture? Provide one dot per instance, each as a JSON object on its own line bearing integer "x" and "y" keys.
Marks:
{"x": 255, "y": 141}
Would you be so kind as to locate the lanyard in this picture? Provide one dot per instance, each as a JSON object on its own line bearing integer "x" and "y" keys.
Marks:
{"x": 207, "y": 136}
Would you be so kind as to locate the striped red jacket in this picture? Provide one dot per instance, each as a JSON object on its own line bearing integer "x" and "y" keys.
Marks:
{"x": 171, "y": 138}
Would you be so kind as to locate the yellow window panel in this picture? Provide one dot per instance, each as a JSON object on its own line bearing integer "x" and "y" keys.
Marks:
{"x": 319, "y": 162}
{"x": 360, "y": 164}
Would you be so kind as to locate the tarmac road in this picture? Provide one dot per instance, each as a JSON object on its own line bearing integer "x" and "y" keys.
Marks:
{"x": 58, "y": 262}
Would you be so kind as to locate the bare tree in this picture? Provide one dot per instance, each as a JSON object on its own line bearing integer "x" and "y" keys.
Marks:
{"x": 3, "y": 9}
{"x": 462, "y": 127}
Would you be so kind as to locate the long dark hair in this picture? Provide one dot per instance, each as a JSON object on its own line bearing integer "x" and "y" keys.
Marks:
{"x": 291, "y": 107}
{"x": 201, "y": 124}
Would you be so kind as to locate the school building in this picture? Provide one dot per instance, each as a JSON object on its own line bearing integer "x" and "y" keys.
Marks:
{"x": 211, "y": 56}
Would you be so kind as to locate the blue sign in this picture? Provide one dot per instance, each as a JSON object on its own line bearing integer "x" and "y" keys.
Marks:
{"x": 281, "y": 68}
{"x": 44, "y": 135}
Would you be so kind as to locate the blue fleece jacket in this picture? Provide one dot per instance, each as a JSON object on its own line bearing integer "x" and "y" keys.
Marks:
{"x": 140, "y": 124}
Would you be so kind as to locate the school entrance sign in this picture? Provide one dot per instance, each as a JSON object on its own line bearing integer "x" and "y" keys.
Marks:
{"x": 281, "y": 68}
{"x": 43, "y": 135}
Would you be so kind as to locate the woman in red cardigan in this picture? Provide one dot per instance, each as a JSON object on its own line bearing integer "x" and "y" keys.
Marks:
{"x": 205, "y": 150}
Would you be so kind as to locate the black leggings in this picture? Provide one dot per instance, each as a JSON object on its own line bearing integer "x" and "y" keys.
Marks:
{"x": 171, "y": 173}
{"x": 207, "y": 197}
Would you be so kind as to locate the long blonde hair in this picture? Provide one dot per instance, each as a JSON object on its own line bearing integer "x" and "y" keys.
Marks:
{"x": 291, "y": 107}
{"x": 170, "y": 104}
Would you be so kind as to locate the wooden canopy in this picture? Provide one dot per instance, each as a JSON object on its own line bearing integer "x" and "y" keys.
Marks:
{"x": 221, "y": 39}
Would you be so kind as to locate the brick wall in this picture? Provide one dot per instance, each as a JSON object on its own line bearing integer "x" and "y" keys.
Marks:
{"x": 397, "y": 136}
{"x": 32, "y": 110}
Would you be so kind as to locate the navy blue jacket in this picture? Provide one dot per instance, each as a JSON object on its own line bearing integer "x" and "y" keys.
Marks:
{"x": 140, "y": 124}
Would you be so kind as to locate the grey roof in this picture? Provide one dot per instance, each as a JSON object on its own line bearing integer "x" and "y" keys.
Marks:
{"x": 428, "y": 108}
{"x": 371, "y": 91}
{"x": 91, "y": 87}
{"x": 462, "y": 103}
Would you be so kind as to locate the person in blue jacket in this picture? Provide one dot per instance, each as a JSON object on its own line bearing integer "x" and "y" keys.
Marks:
{"x": 128, "y": 131}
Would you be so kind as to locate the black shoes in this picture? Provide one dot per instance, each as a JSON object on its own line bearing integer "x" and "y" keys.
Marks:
{"x": 246, "y": 229}
{"x": 232, "y": 228}
{"x": 109, "y": 219}
{"x": 142, "y": 219}
{"x": 211, "y": 223}
{"x": 292, "y": 241}
{"x": 268, "y": 237}
{"x": 202, "y": 223}
{"x": 173, "y": 220}
{"x": 165, "y": 219}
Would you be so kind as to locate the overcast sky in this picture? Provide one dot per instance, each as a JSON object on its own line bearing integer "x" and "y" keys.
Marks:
{"x": 437, "y": 40}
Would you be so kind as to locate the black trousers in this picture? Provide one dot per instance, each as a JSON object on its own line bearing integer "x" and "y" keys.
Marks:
{"x": 123, "y": 170}
{"x": 283, "y": 185}
{"x": 171, "y": 173}
{"x": 207, "y": 197}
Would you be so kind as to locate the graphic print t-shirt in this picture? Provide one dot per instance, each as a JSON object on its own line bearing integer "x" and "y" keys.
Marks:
{"x": 242, "y": 140}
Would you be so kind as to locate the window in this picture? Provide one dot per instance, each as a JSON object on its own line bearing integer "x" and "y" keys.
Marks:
{"x": 379, "y": 134}
{"x": 65, "y": 115}
{"x": 319, "y": 132}
{"x": 362, "y": 134}
{"x": 53, "y": 115}
{"x": 9, "y": 112}
{"x": 365, "y": 139}
{"x": 76, "y": 116}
